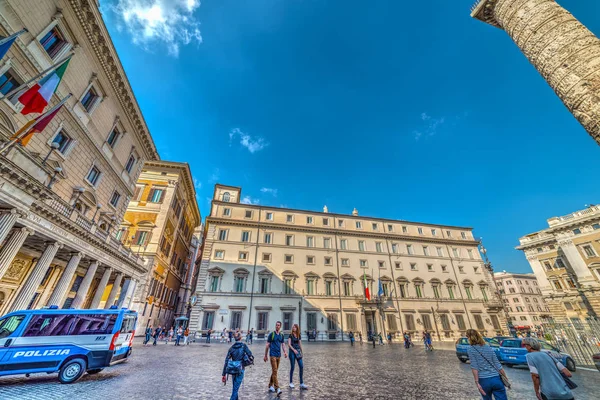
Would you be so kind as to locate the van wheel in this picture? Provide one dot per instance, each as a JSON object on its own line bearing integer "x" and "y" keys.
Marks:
{"x": 72, "y": 370}
{"x": 462, "y": 360}
{"x": 94, "y": 371}
{"x": 571, "y": 365}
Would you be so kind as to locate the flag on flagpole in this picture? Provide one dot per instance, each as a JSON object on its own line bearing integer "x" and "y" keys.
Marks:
{"x": 367, "y": 294}
{"x": 380, "y": 293}
{"x": 38, "y": 96}
{"x": 38, "y": 124}
{"x": 8, "y": 41}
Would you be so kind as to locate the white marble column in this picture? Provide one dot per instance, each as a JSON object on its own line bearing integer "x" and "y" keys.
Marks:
{"x": 100, "y": 289}
{"x": 12, "y": 246}
{"x": 114, "y": 291}
{"x": 85, "y": 285}
{"x": 35, "y": 278}
{"x": 58, "y": 295}
{"x": 7, "y": 221}
{"x": 127, "y": 285}
{"x": 577, "y": 263}
{"x": 540, "y": 273}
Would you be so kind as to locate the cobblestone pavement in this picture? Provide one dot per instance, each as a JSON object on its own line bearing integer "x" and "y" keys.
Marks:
{"x": 332, "y": 371}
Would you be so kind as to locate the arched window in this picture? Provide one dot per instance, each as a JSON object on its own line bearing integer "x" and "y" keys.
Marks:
{"x": 226, "y": 197}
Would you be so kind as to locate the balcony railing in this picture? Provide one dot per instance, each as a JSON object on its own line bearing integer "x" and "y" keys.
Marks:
{"x": 83, "y": 222}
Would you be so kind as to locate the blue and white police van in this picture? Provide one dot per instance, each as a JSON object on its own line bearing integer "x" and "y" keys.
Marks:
{"x": 70, "y": 342}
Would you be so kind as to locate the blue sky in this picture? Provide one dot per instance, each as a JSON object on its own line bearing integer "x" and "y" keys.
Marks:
{"x": 407, "y": 110}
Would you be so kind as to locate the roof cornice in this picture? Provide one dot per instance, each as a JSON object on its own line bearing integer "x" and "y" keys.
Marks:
{"x": 91, "y": 21}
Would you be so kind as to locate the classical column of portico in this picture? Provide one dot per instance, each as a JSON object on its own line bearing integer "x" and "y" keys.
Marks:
{"x": 127, "y": 284}
{"x": 7, "y": 221}
{"x": 114, "y": 291}
{"x": 35, "y": 278}
{"x": 61, "y": 288}
{"x": 85, "y": 285}
{"x": 100, "y": 289}
{"x": 10, "y": 249}
{"x": 577, "y": 263}
{"x": 560, "y": 47}
{"x": 540, "y": 274}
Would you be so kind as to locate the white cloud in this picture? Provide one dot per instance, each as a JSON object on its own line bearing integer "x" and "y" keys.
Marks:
{"x": 197, "y": 184}
{"x": 269, "y": 191}
{"x": 248, "y": 200}
{"x": 214, "y": 177}
{"x": 150, "y": 21}
{"x": 253, "y": 144}
{"x": 430, "y": 126}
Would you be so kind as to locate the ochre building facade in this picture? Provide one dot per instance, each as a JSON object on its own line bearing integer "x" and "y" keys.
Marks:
{"x": 265, "y": 264}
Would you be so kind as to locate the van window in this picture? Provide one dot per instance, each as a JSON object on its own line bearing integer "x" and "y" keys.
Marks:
{"x": 10, "y": 324}
{"x": 463, "y": 341}
{"x": 511, "y": 343}
{"x": 128, "y": 325}
{"x": 94, "y": 324}
{"x": 49, "y": 325}
{"x": 546, "y": 346}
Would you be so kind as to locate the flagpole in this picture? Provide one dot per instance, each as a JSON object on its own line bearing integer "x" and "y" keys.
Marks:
{"x": 52, "y": 67}
{"x": 11, "y": 143}
{"x": 11, "y": 37}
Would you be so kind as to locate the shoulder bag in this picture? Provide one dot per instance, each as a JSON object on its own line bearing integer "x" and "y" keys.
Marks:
{"x": 570, "y": 384}
{"x": 503, "y": 377}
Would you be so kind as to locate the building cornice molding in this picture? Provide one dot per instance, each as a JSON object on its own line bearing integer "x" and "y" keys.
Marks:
{"x": 338, "y": 232}
{"x": 91, "y": 21}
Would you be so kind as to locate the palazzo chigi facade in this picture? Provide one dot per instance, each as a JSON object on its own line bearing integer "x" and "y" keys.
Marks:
{"x": 263, "y": 264}
{"x": 63, "y": 196}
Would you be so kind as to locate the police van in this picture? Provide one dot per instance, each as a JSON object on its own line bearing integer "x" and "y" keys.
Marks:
{"x": 70, "y": 342}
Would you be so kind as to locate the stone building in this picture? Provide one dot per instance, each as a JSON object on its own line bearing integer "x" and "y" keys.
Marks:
{"x": 565, "y": 258}
{"x": 63, "y": 195}
{"x": 159, "y": 225}
{"x": 522, "y": 299}
{"x": 563, "y": 50}
{"x": 263, "y": 264}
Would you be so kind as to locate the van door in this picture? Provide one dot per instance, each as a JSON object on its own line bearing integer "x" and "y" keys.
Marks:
{"x": 124, "y": 341}
{"x": 8, "y": 326}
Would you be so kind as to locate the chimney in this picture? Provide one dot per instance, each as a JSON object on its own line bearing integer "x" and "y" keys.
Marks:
{"x": 325, "y": 209}
{"x": 355, "y": 212}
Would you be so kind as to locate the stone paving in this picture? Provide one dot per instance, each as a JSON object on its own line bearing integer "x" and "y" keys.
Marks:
{"x": 332, "y": 371}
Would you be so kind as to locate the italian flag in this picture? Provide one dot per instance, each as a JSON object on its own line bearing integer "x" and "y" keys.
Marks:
{"x": 38, "y": 124}
{"x": 367, "y": 294}
{"x": 38, "y": 96}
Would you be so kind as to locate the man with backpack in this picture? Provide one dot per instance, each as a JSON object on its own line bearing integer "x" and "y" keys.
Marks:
{"x": 275, "y": 345}
{"x": 238, "y": 358}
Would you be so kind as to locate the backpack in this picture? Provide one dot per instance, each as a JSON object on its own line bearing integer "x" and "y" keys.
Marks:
{"x": 234, "y": 367}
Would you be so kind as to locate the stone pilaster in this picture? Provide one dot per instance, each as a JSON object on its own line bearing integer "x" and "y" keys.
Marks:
{"x": 35, "y": 278}
{"x": 100, "y": 289}
{"x": 10, "y": 249}
{"x": 62, "y": 286}
{"x": 562, "y": 49}
{"x": 85, "y": 285}
{"x": 114, "y": 291}
{"x": 7, "y": 221}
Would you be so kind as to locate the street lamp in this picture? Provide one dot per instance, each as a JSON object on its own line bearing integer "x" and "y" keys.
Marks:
{"x": 53, "y": 146}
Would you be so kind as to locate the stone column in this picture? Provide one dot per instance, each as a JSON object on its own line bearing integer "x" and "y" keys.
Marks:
{"x": 577, "y": 263}
{"x": 100, "y": 289}
{"x": 12, "y": 246}
{"x": 115, "y": 289}
{"x": 562, "y": 49}
{"x": 62, "y": 286}
{"x": 540, "y": 273}
{"x": 35, "y": 278}
{"x": 7, "y": 220}
{"x": 85, "y": 285}
{"x": 123, "y": 292}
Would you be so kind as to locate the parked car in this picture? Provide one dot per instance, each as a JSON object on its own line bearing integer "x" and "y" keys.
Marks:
{"x": 596, "y": 358}
{"x": 512, "y": 352}
{"x": 462, "y": 347}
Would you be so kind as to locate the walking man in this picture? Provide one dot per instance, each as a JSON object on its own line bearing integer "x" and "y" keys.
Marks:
{"x": 148, "y": 334}
{"x": 236, "y": 354}
{"x": 275, "y": 346}
{"x": 208, "y": 335}
{"x": 157, "y": 333}
{"x": 360, "y": 337}
{"x": 351, "y": 336}
{"x": 179, "y": 335}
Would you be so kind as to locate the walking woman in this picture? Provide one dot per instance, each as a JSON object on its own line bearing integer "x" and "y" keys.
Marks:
{"x": 486, "y": 368}
{"x": 296, "y": 354}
